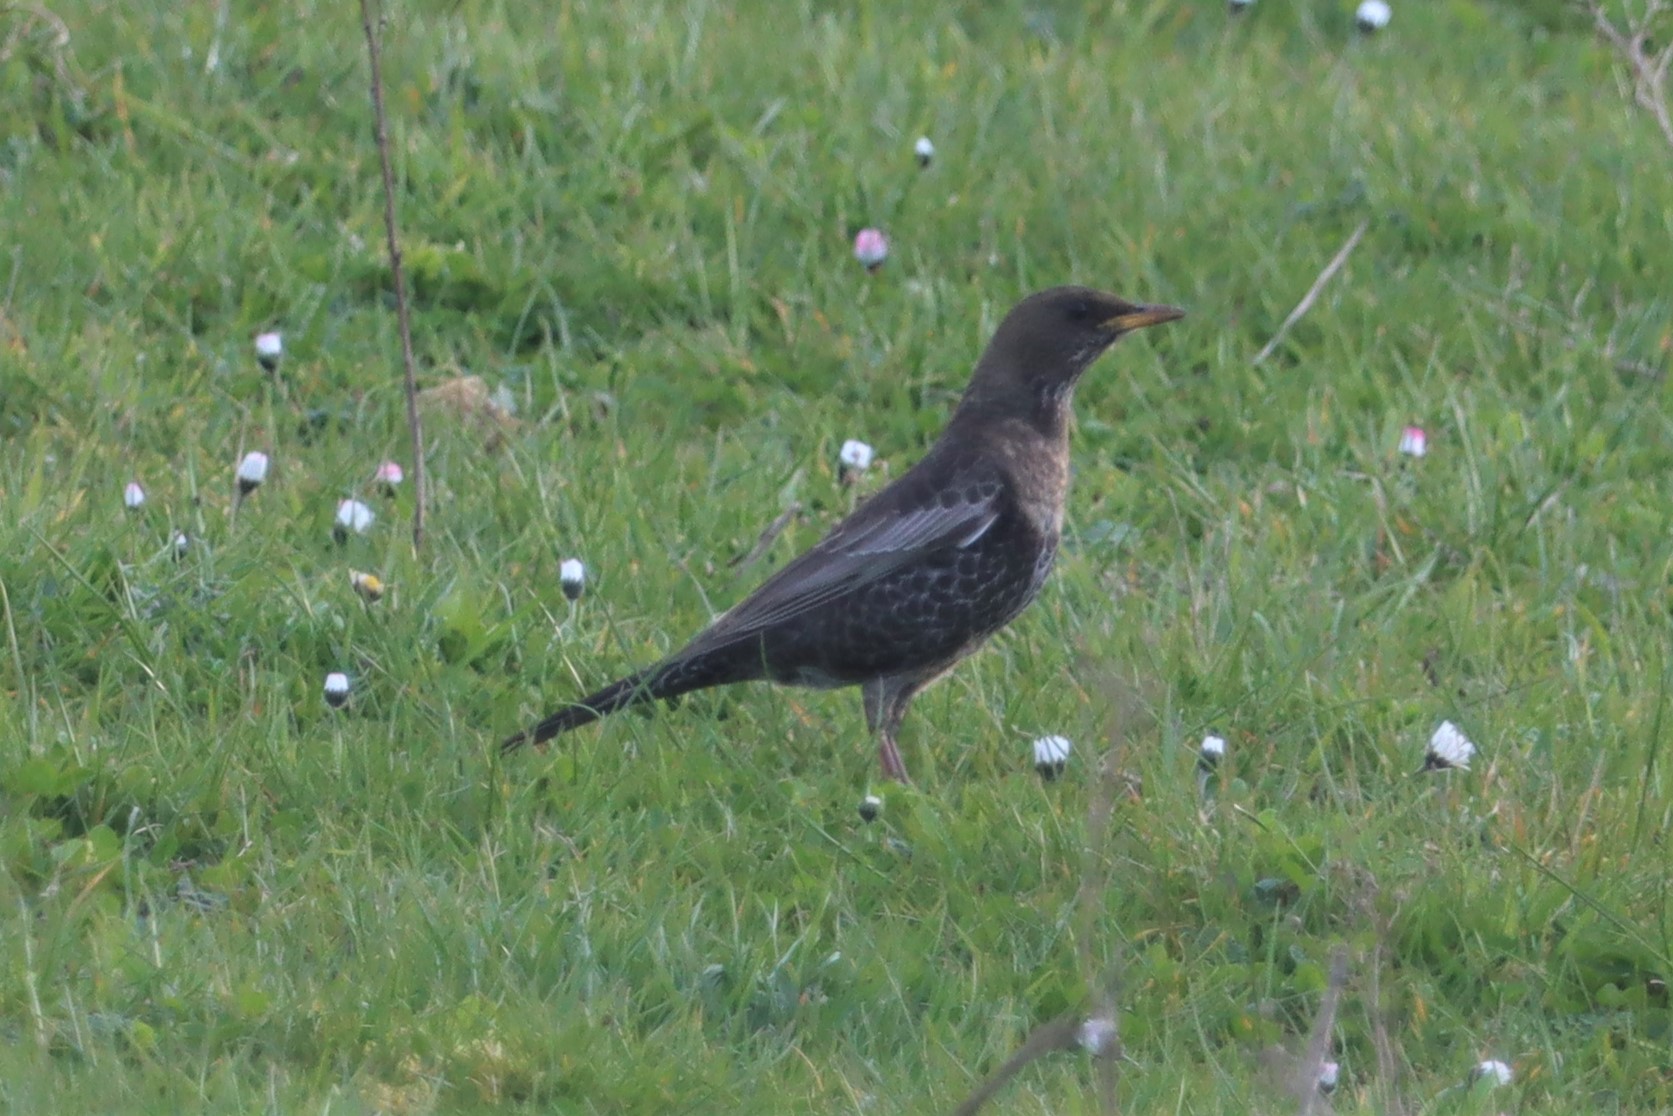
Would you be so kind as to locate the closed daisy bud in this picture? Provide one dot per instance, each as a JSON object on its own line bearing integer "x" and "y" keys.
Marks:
{"x": 369, "y": 586}
{"x": 353, "y": 518}
{"x": 389, "y": 476}
{"x": 336, "y": 689}
{"x": 924, "y": 150}
{"x": 1238, "y": 6}
{"x": 1212, "y": 751}
{"x": 1051, "y": 756}
{"x": 853, "y": 459}
{"x": 133, "y": 496}
{"x": 181, "y": 544}
{"x": 1096, "y": 1035}
{"x": 1329, "y": 1074}
{"x": 1448, "y": 749}
{"x": 1373, "y": 15}
{"x": 270, "y": 346}
{"x": 870, "y": 807}
{"x": 572, "y": 578}
{"x": 252, "y": 470}
{"x": 1414, "y": 442}
{"x": 1494, "y": 1072}
{"x": 871, "y": 248}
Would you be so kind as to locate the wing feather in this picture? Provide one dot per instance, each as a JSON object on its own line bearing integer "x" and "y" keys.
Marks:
{"x": 863, "y": 550}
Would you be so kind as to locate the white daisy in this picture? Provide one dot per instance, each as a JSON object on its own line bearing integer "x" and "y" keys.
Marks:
{"x": 389, "y": 475}
{"x": 270, "y": 346}
{"x": 1373, "y": 15}
{"x": 853, "y": 458}
{"x": 1448, "y": 748}
{"x": 353, "y": 517}
{"x": 252, "y": 471}
{"x": 133, "y": 496}
{"x": 1492, "y": 1070}
{"x": 1051, "y": 756}
{"x": 1096, "y": 1034}
{"x": 1212, "y": 751}
{"x": 572, "y": 578}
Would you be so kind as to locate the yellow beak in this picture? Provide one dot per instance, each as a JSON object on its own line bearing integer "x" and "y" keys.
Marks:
{"x": 1143, "y": 316}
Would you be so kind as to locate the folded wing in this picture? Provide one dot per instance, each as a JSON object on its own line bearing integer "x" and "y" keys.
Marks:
{"x": 881, "y": 538}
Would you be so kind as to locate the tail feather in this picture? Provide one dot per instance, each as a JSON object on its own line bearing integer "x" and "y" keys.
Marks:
{"x": 616, "y": 696}
{"x": 665, "y": 680}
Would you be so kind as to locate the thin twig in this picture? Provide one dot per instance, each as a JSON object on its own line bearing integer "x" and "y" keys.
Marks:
{"x": 419, "y": 488}
{"x": 1312, "y": 295}
{"x": 1062, "y": 1033}
{"x": 1649, "y": 74}
{"x": 1388, "y": 1063}
{"x": 769, "y": 536}
{"x": 1098, "y": 1031}
{"x": 1306, "y": 1085}
{"x": 1105, "y": 987}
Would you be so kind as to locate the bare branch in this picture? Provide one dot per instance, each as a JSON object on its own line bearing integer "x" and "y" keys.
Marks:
{"x": 369, "y": 21}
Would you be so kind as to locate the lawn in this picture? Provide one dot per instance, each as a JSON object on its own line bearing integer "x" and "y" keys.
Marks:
{"x": 634, "y": 223}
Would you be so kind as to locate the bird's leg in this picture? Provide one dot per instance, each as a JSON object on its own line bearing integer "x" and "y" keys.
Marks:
{"x": 886, "y": 700}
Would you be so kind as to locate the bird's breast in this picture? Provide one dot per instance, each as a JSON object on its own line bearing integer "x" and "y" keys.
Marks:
{"x": 1039, "y": 472}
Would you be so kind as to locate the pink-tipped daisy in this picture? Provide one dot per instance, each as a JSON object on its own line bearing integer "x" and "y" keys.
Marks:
{"x": 389, "y": 477}
{"x": 871, "y": 248}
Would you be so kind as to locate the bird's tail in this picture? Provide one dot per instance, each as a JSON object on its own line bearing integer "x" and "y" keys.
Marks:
{"x": 665, "y": 680}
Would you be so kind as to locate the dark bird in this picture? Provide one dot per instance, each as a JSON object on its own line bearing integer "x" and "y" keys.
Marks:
{"x": 922, "y": 573}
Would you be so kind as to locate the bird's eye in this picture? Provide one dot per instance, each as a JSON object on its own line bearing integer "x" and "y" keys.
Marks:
{"x": 1080, "y": 310}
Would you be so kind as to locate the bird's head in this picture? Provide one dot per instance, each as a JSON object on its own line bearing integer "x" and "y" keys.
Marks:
{"x": 1047, "y": 341}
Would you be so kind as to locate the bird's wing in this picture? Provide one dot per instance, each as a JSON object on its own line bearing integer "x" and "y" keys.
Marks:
{"x": 880, "y": 538}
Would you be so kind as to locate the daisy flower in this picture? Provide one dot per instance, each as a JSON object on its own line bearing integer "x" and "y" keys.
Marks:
{"x": 1449, "y": 748}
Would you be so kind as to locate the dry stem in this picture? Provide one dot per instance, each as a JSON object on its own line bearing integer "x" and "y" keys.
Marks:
{"x": 1649, "y": 72}
{"x": 1312, "y": 295}
{"x": 369, "y": 22}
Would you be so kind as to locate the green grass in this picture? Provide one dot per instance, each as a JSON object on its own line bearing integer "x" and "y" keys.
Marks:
{"x": 219, "y": 895}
